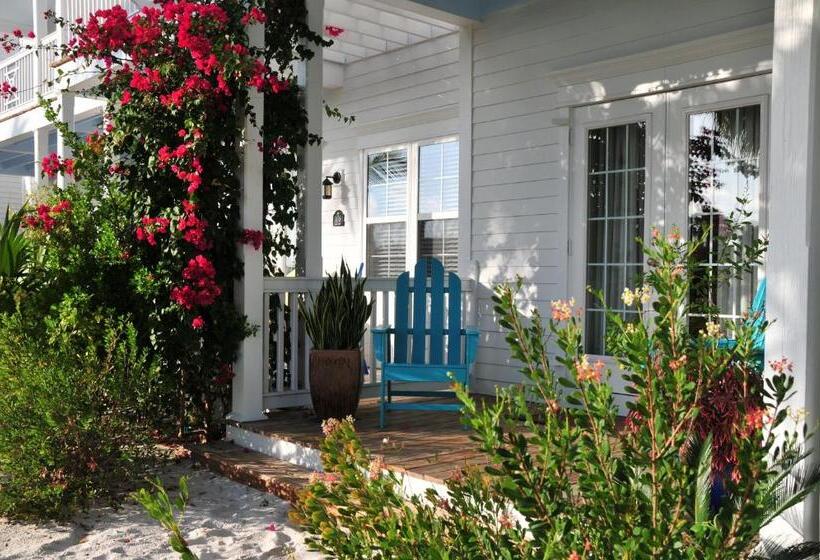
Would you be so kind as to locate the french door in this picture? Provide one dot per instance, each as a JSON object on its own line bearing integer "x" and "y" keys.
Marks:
{"x": 679, "y": 159}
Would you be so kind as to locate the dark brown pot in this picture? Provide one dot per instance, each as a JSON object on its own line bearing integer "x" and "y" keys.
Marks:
{"x": 335, "y": 382}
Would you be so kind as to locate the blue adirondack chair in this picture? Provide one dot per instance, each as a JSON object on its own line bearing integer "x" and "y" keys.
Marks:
{"x": 418, "y": 345}
{"x": 757, "y": 315}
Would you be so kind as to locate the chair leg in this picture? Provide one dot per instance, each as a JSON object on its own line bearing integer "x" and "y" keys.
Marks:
{"x": 382, "y": 404}
{"x": 390, "y": 391}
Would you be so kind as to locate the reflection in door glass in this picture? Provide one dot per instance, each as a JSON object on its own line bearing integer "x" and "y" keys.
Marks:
{"x": 724, "y": 175}
{"x": 616, "y": 180}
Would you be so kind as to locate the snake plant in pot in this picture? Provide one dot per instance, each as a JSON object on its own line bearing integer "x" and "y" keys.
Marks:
{"x": 335, "y": 322}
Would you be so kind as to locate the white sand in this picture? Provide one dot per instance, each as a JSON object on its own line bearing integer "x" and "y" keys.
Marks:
{"x": 224, "y": 521}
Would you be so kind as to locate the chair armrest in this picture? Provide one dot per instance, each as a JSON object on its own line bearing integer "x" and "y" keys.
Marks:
{"x": 380, "y": 343}
{"x": 471, "y": 347}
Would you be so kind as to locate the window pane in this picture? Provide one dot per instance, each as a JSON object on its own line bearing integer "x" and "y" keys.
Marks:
{"x": 387, "y": 184}
{"x": 439, "y": 239}
{"x": 724, "y": 170}
{"x": 386, "y": 250}
{"x": 616, "y": 184}
{"x": 438, "y": 177}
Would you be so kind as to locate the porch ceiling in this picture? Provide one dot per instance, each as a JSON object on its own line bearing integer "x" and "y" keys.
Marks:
{"x": 372, "y": 27}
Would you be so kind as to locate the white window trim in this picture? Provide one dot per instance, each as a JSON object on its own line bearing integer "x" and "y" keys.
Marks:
{"x": 413, "y": 217}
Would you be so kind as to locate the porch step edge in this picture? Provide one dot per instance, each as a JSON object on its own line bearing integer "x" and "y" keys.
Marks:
{"x": 307, "y": 458}
{"x": 253, "y": 468}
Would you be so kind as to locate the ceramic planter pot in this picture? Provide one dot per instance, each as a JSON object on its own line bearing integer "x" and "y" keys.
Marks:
{"x": 335, "y": 382}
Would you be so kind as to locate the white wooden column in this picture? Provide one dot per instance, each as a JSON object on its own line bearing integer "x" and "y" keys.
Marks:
{"x": 40, "y": 151}
{"x": 465, "y": 156}
{"x": 793, "y": 261}
{"x": 39, "y": 24}
{"x": 312, "y": 183}
{"x": 249, "y": 382}
{"x": 65, "y": 114}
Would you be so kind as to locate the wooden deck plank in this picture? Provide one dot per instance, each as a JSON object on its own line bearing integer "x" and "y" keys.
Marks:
{"x": 428, "y": 444}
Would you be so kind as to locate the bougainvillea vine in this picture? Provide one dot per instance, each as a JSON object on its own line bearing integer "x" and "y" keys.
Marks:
{"x": 176, "y": 77}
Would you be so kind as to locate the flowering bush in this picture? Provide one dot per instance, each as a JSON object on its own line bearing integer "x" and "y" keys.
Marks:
{"x": 149, "y": 225}
{"x": 567, "y": 480}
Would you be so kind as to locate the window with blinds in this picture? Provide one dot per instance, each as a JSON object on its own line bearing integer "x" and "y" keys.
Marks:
{"x": 412, "y": 207}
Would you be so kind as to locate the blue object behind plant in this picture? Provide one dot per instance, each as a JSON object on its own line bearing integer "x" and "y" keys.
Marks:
{"x": 757, "y": 316}
{"x": 419, "y": 352}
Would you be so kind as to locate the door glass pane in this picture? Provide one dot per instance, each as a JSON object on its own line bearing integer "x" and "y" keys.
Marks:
{"x": 616, "y": 183}
{"x": 386, "y": 250}
{"x": 387, "y": 184}
{"x": 724, "y": 175}
{"x": 438, "y": 177}
{"x": 439, "y": 239}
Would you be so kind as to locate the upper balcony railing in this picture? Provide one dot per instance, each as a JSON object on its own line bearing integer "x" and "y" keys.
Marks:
{"x": 34, "y": 71}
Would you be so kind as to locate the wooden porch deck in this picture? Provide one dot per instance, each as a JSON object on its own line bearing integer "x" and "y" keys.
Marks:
{"x": 429, "y": 445}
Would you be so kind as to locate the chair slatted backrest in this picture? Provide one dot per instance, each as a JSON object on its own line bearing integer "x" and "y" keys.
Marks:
{"x": 428, "y": 278}
{"x": 757, "y": 313}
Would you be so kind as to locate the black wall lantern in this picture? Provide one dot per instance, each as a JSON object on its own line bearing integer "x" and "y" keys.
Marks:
{"x": 327, "y": 184}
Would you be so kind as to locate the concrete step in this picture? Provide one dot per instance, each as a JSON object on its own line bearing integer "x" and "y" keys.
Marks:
{"x": 260, "y": 471}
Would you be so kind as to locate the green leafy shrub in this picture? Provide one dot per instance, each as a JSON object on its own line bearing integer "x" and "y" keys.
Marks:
{"x": 15, "y": 259}
{"x": 167, "y": 513}
{"x": 336, "y": 318}
{"x": 567, "y": 480}
{"x": 72, "y": 388}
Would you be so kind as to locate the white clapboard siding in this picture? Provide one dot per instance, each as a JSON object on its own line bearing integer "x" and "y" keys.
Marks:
{"x": 519, "y": 198}
{"x": 11, "y": 193}
{"x": 519, "y": 133}
{"x": 406, "y": 95}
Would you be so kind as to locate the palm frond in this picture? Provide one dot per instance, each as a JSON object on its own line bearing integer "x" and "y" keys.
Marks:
{"x": 772, "y": 550}
{"x": 703, "y": 489}
{"x": 801, "y": 481}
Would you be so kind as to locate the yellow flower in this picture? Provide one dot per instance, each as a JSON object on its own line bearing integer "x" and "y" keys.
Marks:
{"x": 712, "y": 329}
{"x": 628, "y": 297}
{"x": 646, "y": 294}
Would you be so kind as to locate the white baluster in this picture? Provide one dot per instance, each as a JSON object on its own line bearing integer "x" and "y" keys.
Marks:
{"x": 294, "y": 340}
{"x": 280, "y": 344}
{"x": 266, "y": 341}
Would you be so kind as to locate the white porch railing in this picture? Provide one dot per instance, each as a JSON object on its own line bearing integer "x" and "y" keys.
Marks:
{"x": 286, "y": 347}
{"x": 33, "y": 71}
{"x": 19, "y": 71}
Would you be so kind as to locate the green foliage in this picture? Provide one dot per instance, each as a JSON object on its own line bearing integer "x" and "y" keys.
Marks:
{"x": 72, "y": 388}
{"x": 336, "y": 318}
{"x": 15, "y": 257}
{"x": 567, "y": 478}
{"x": 355, "y": 510}
{"x": 169, "y": 514}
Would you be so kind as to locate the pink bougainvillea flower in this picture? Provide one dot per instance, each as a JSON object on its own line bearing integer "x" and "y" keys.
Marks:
{"x": 252, "y": 237}
{"x": 255, "y": 14}
{"x": 52, "y": 165}
{"x": 7, "y": 90}
{"x": 273, "y": 527}
{"x": 198, "y": 323}
{"x": 333, "y": 31}
{"x": 125, "y": 98}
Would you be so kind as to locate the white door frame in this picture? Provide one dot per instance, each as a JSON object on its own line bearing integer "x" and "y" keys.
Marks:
{"x": 667, "y": 134}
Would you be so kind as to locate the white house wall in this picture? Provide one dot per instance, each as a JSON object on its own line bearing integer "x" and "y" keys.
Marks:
{"x": 402, "y": 96}
{"x": 11, "y": 193}
{"x": 520, "y": 130}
